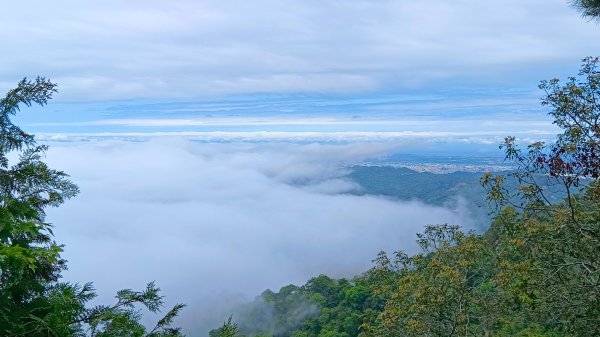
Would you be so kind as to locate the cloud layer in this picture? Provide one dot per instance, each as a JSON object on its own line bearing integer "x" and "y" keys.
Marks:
{"x": 211, "y": 221}
{"x": 157, "y": 49}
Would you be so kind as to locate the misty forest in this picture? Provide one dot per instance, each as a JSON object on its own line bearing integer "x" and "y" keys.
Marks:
{"x": 527, "y": 264}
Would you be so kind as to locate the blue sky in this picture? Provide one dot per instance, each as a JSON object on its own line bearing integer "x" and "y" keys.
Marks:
{"x": 473, "y": 117}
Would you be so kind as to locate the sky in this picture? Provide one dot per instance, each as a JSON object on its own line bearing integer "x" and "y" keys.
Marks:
{"x": 169, "y": 62}
{"x": 210, "y": 139}
{"x": 98, "y": 50}
{"x": 166, "y": 67}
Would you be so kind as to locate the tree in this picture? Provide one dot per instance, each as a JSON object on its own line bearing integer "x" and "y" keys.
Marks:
{"x": 30, "y": 259}
{"x": 552, "y": 250}
{"x": 33, "y": 301}
{"x": 229, "y": 329}
{"x": 445, "y": 290}
{"x": 588, "y": 8}
{"x": 536, "y": 271}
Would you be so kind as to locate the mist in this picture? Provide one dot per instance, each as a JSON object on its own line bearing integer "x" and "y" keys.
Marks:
{"x": 215, "y": 224}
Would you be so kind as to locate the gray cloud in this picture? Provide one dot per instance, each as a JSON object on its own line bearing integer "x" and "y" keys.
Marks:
{"x": 217, "y": 223}
{"x": 157, "y": 49}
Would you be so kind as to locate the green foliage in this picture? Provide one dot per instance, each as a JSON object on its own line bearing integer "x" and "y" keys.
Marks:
{"x": 555, "y": 249}
{"x": 32, "y": 300}
{"x": 551, "y": 253}
{"x": 435, "y": 189}
{"x": 29, "y": 258}
{"x": 322, "y": 307}
{"x": 449, "y": 190}
{"x": 445, "y": 290}
{"x": 229, "y": 329}
{"x": 572, "y": 159}
{"x": 534, "y": 272}
{"x": 589, "y": 9}
{"x": 276, "y": 313}
{"x": 122, "y": 318}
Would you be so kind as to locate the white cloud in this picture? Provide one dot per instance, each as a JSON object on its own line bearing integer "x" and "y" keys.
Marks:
{"x": 260, "y": 121}
{"x": 431, "y": 137}
{"x": 157, "y": 49}
{"x": 207, "y": 219}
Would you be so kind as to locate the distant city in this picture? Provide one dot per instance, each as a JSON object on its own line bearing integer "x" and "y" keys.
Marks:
{"x": 440, "y": 168}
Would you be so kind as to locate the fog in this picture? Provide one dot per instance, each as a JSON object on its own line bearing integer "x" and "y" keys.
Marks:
{"x": 217, "y": 223}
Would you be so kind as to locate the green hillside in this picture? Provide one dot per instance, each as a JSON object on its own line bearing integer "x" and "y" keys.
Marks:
{"x": 535, "y": 271}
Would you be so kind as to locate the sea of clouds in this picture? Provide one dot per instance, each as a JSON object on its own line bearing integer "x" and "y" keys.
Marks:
{"x": 215, "y": 224}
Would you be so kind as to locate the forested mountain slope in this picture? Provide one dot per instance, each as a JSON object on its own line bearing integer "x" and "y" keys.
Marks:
{"x": 534, "y": 272}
